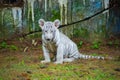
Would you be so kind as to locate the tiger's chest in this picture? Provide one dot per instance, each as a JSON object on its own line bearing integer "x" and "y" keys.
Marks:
{"x": 51, "y": 47}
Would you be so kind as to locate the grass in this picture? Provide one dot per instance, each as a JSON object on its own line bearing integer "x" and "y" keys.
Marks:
{"x": 100, "y": 75}
{"x": 71, "y": 71}
{"x": 27, "y": 66}
{"x": 56, "y": 72}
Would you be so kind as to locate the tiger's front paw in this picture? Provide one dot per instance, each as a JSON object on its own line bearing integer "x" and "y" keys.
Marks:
{"x": 58, "y": 62}
{"x": 45, "y": 61}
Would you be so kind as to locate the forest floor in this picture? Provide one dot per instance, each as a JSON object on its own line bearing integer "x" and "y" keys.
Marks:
{"x": 20, "y": 60}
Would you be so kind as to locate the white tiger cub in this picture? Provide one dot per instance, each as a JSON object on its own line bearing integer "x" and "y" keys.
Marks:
{"x": 55, "y": 42}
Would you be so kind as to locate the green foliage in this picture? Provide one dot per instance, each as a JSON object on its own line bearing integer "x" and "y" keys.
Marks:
{"x": 82, "y": 32}
{"x": 55, "y": 15}
{"x": 13, "y": 47}
{"x": 4, "y": 45}
{"x": 95, "y": 45}
{"x": 80, "y": 44}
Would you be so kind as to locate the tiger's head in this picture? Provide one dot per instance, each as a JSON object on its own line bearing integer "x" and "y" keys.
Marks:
{"x": 49, "y": 28}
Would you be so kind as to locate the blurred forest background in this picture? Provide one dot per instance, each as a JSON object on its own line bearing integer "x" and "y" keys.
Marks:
{"x": 21, "y": 16}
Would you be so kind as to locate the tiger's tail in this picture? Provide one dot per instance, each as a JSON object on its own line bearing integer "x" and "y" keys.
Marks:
{"x": 91, "y": 57}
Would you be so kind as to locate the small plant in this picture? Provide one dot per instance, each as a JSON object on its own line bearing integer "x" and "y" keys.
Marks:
{"x": 22, "y": 63}
{"x": 95, "y": 45}
{"x": 80, "y": 44}
{"x": 3, "y": 44}
{"x": 13, "y": 47}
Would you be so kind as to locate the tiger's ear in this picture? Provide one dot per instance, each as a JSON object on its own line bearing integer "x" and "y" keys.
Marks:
{"x": 41, "y": 23}
{"x": 56, "y": 23}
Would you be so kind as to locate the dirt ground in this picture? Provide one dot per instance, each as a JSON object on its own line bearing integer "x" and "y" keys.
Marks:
{"x": 22, "y": 62}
